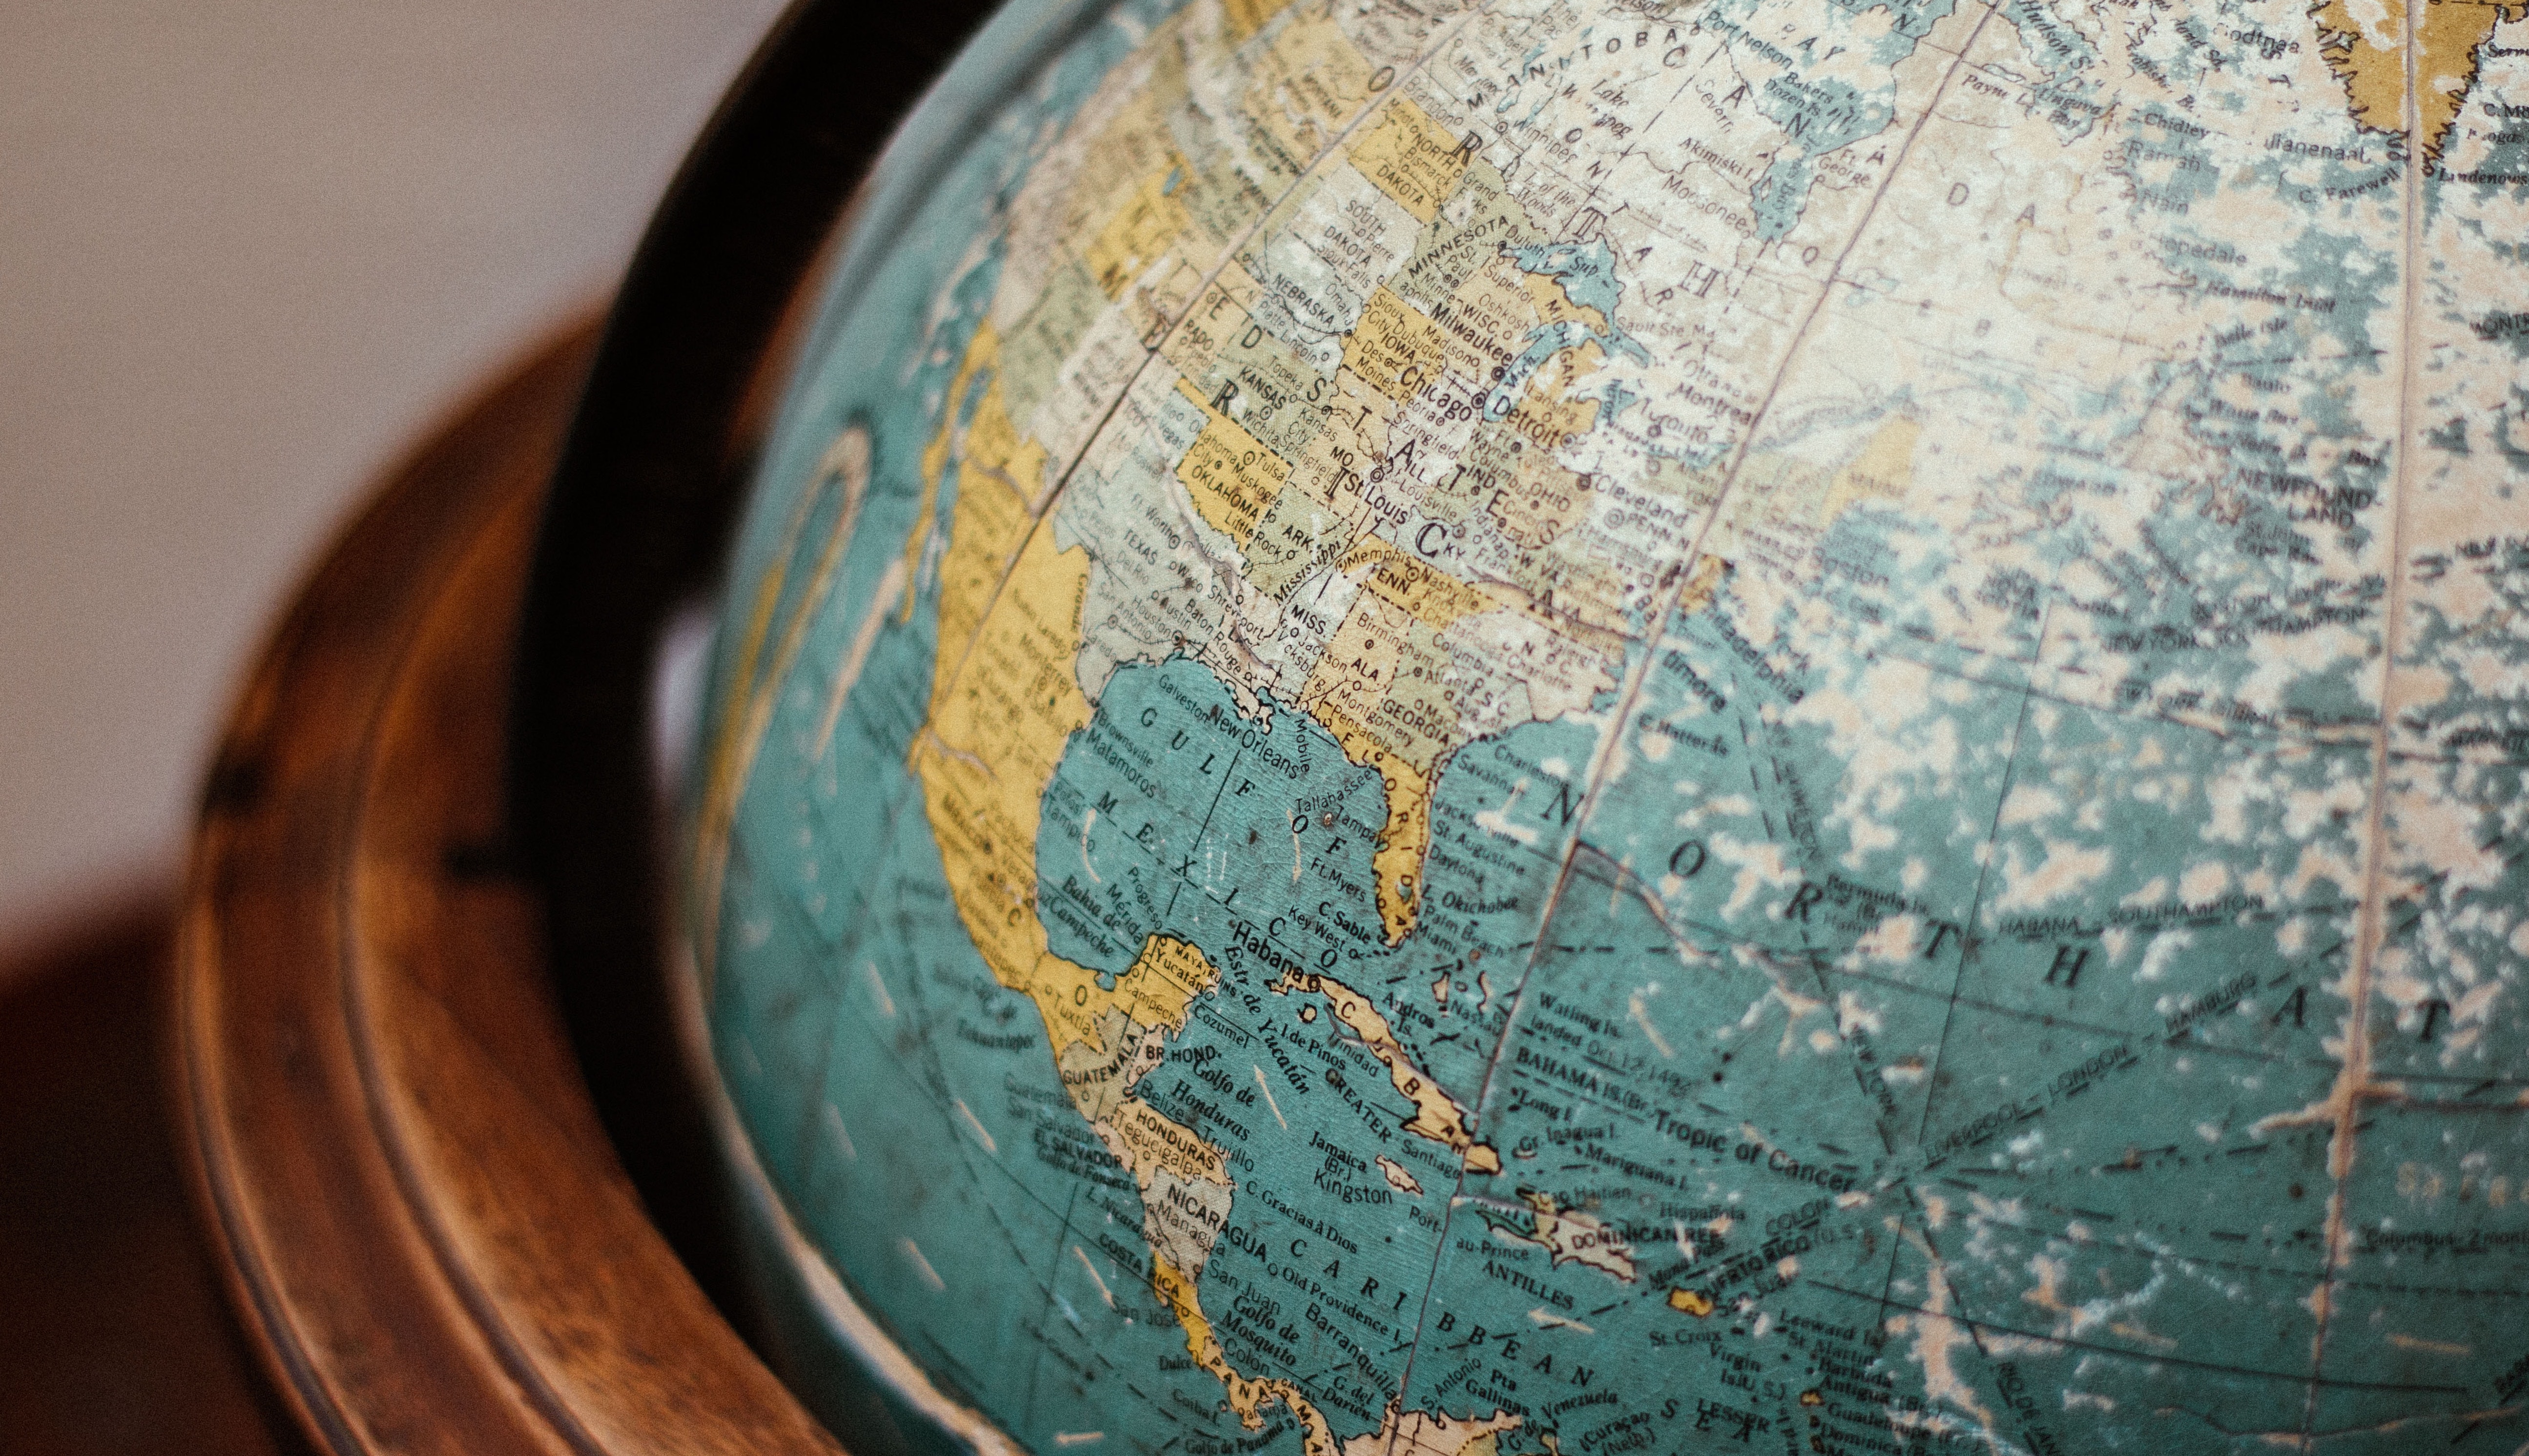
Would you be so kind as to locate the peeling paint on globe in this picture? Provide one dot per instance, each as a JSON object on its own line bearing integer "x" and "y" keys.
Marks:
{"x": 1601, "y": 726}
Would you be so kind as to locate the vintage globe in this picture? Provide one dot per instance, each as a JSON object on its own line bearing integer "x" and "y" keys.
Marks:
{"x": 1582, "y": 726}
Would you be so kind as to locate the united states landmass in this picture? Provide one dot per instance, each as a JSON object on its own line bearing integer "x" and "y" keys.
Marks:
{"x": 1746, "y": 720}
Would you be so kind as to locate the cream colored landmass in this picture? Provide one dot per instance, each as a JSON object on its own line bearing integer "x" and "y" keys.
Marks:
{"x": 2364, "y": 43}
{"x": 1307, "y": 83}
{"x": 1437, "y": 1116}
{"x": 1577, "y": 1238}
{"x": 1399, "y": 1176}
{"x": 1403, "y": 1433}
{"x": 1156, "y": 1141}
{"x": 1140, "y": 231}
{"x": 1394, "y": 349}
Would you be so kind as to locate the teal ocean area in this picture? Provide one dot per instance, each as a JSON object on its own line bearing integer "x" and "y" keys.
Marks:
{"x": 1911, "y": 772}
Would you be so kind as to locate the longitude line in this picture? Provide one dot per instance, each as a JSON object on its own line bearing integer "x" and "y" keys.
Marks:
{"x": 2370, "y": 930}
{"x": 1228, "y": 255}
{"x": 1967, "y": 947}
{"x": 1603, "y": 757}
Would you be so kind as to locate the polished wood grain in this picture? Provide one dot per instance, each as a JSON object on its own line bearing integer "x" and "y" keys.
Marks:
{"x": 419, "y": 1211}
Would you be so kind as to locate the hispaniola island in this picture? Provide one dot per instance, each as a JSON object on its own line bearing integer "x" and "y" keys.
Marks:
{"x": 1578, "y": 727}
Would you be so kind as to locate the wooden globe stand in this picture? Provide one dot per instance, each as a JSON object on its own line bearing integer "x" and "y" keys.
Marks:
{"x": 449, "y": 1130}
{"x": 417, "y": 1203}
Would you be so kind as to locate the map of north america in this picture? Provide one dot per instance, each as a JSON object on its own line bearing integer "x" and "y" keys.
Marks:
{"x": 1527, "y": 729}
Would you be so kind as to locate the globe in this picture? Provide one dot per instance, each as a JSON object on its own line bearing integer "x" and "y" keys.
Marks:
{"x": 1563, "y": 728}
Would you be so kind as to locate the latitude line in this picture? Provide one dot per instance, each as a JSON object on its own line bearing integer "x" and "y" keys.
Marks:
{"x": 2152, "y": 1357}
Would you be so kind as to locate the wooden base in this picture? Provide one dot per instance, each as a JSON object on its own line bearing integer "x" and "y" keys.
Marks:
{"x": 116, "y": 1340}
{"x": 419, "y": 1211}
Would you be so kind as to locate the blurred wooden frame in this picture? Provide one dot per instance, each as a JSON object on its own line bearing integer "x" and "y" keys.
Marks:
{"x": 444, "y": 1122}
{"x": 419, "y": 1207}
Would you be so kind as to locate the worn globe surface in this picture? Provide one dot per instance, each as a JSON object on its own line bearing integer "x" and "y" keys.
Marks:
{"x": 1581, "y": 727}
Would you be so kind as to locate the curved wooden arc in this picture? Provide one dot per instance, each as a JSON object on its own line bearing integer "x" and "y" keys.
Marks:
{"x": 418, "y": 1207}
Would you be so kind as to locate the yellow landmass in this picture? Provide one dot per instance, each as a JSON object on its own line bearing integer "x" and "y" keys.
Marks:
{"x": 1541, "y": 502}
{"x": 1001, "y": 711}
{"x": 984, "y": 348}
{"x": 1231, "y": 476}
{"x": 1247, "y": 16}
{"x": 1394, "y": 348}
{"x": 1701, "y": 584}
{"x": 1164, "y": 979}
{"x": 2364, "y": 43}
{"x": 992, "y": 516}
{"x": 1139, "y": 231}
{"x": 1691, "y": 1302}
{"x": 1247, "y": 1395}
{"x": 1881, "y": 472}
{"x": 1403, "y": 1433}
{"x": 1543, "y": 415}
{"x": 1398, "y": 1175}
{"x": 1411, "y": 158}
{"x": 1437, "y": 1116}
{"x": 984, "y": 760}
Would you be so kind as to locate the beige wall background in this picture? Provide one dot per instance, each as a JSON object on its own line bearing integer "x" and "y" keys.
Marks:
{"x": 247, "y": 249}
